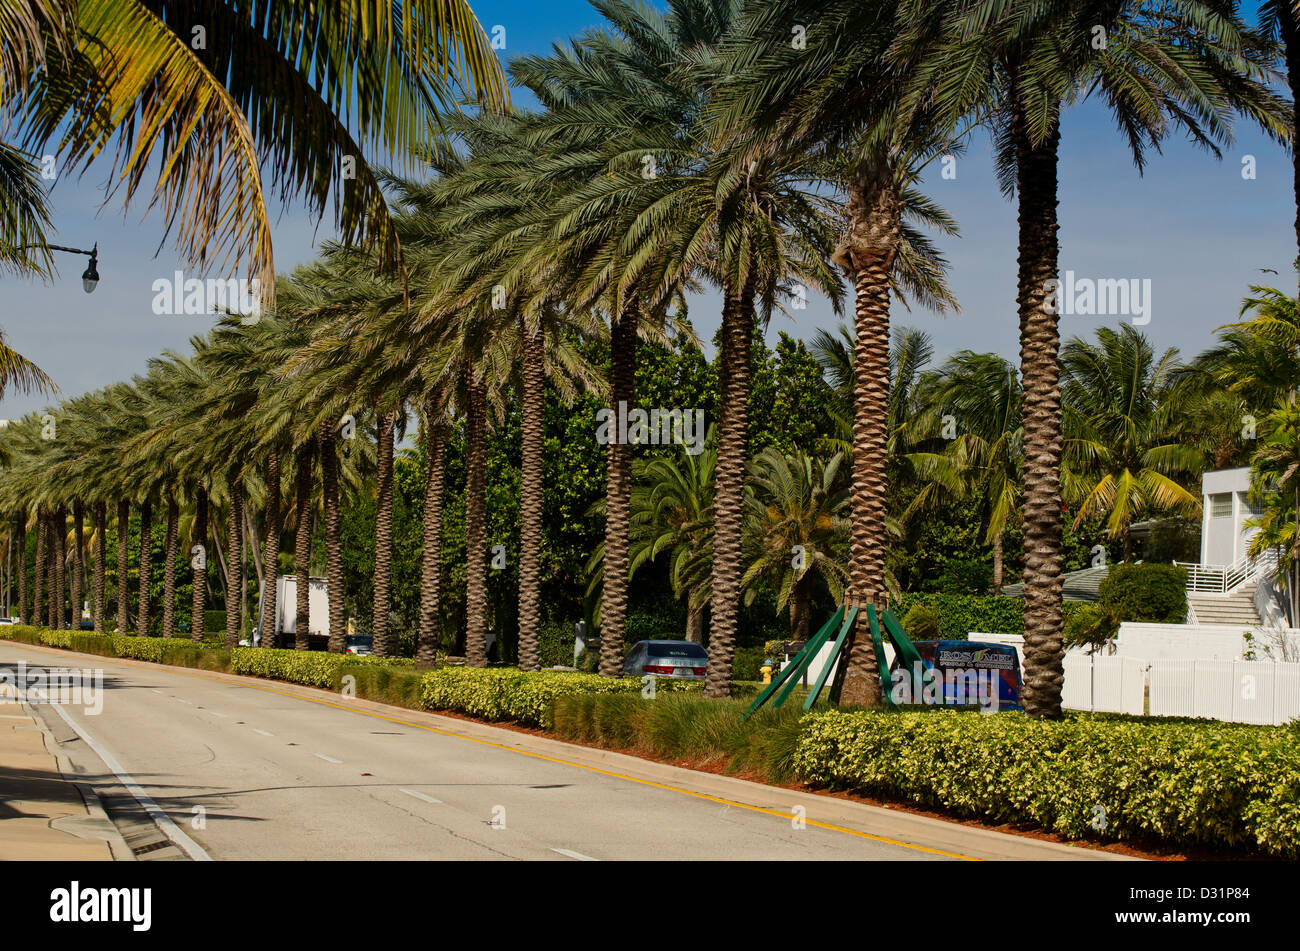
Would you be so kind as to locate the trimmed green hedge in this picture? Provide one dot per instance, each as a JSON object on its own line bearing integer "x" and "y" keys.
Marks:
{"x": 1147, "y": 592}
{"x": 504, "y": 693}
{"x": 959, "y": 615}
{"x": 309, "y": 668}
{"x": 1189, "y": 784}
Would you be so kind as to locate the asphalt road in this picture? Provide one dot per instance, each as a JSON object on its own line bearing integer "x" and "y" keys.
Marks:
{"x": 198, "y": 765}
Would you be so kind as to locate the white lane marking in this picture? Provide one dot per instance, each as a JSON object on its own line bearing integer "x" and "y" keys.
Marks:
{"x": 182, "y": 700}
{"x": 575, "y": 855}
{"x": 159, "y": 692}
{"x": 263, "y": 732}
{"x": 328, "y": 759}
{"x": 169, "y": 828}
{"x": 216, "y": 714}
{"x": 421, "y": 796}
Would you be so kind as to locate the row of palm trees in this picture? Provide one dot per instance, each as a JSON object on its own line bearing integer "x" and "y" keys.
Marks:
{"x": 748, "y": 146}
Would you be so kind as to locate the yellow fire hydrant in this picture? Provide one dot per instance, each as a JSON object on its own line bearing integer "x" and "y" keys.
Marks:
{"x": 767, "y": 672}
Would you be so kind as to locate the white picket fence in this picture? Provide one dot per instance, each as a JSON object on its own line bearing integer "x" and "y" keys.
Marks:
{"x": 1104, "y": 684}
{"x": 1236, "y": 691}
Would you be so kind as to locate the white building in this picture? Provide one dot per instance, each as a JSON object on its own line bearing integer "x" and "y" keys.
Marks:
{"x": 1226, "y": 508}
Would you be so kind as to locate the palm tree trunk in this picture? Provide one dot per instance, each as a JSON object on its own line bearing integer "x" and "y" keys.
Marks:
{"x": 146, "y": 566}
{"x": 800, "y": 607}
{"x": 24, "y": 613}
{"x": 998, "y": 551}
{"x": 476, "y": 526}
{"x": 729, "y": 480}
{"x": 533, "y": 426}
{"x": 1040, "y": 369}
{"x": 101, "y": 559}
{"x": 59, "y": 567}
{"x": 123, "y": 556}
{"x": 268, "y": 610}
{"x": 169, "y": 567}
{"x": 431, "y": 557}
{"x": 199, "y": 565}
{"x": 302, "y": 547}
{"x": 875, "y": 207}
{"x": 234, "y": 558}
{"x": 329, "y": 468}
{"x": 78, "y": 541}
{"x": 1289, "y": 30}
{"x": 694, "y": 621}
{"x": 618, "y": 492}
{"x": 383, "y": 580}
{"x": 38, "y": 606}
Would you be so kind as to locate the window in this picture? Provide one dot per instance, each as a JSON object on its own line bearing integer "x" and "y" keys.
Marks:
{"x": 1221, "y": 506}
{"x": 685, "y": 649}
{"x": 1250, "y": 508}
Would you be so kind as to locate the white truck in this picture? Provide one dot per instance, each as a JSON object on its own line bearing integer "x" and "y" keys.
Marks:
{"x": 286, "y": 605}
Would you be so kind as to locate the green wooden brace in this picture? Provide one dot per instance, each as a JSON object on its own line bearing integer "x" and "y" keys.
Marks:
{"x": 789, "y": 670}
{"x": 805, "y": 660}
{"x": 885, "y": 679}
{"x": 834, "y": 659}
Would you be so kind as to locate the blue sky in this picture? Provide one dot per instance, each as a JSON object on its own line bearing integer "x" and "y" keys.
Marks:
{"x": 1191, "y": 225}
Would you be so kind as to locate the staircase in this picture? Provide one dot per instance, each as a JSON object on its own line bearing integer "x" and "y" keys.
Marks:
{"x": 1237, "y": 608}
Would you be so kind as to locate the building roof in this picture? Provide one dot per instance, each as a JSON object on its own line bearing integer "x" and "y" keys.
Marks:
{"x": 1079, "y": 585}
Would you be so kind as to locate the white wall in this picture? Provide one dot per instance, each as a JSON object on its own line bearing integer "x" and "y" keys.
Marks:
{"x": 1224, "y": 540}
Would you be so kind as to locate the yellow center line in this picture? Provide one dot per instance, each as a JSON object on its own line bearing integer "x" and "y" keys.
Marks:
{"x": 183, "y": 672}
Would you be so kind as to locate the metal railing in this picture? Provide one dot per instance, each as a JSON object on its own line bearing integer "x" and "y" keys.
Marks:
{"x": 1225, "y": 579}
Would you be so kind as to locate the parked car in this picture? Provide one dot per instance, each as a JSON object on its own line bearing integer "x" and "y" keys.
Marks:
{"x": 360, "y": 644}
{"x": 8, "y": 620}
{"x": 681, "y": 660}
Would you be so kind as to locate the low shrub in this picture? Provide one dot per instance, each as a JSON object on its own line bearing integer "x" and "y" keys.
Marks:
{"x": 922, "y": 623}
{"x": 309, "y": 668}
{"x": 1188, "y": 784}
{"x": 505, "y": 693}
{"x": 1146, "y": 592}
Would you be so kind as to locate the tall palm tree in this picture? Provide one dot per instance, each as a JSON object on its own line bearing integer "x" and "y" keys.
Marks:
{"x": 842, "y": 97}
{"x": 1123, "y": 455}
{"x": 1275, "y": 491}
{"x": 1187, "y": 65}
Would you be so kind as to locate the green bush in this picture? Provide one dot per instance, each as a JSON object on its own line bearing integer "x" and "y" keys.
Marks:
{"x": 922, "y": 623}
{"x": 960, "y": 615}
{"x": 214, "y": 621}
{"x": 1188, "y": 784}
{"x": 1147, "y": 592}
{"x": 310, "y": 668}
{"x": 748, "y": 663}
{"x": 1090, "y": 626}
{"x": 505, "y": 693}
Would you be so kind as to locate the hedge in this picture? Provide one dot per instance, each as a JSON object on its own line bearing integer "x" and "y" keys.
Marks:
{"x": 504, "y": 693}
{"x": 1185, "y": 783}
{"x": 1147, "y": 592}
{"x": 959, "y": 615}
{"x": 309, "y": 668}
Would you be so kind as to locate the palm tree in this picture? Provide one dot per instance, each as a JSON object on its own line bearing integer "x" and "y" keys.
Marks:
{"x": 1018, "y": 63}
{"x": 841, "y": 97}
{"x": 981, "y": 391}
{"x": 1122, "y": 451}
{"x": 257, "y": 99}
{"x": 1275, "y": 492}
{"x": 1280, "y": 21}
{"x": 798, "y": 530}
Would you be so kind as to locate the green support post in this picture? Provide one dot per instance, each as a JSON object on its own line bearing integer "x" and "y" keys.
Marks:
{"x": 791, "y": 668}
{"x": 834, "y": 659}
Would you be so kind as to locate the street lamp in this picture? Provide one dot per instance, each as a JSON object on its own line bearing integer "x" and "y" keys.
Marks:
{"x": 90, "y": 276}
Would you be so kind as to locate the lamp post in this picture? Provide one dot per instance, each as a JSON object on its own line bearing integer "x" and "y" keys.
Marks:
{"x": 90, "y": 276}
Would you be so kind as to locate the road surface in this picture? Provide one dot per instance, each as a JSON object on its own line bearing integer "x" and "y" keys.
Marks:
{"x": 199, "y": 765}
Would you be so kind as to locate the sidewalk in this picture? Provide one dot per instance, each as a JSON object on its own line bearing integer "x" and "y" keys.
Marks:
{"x": 43, "y": 814}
